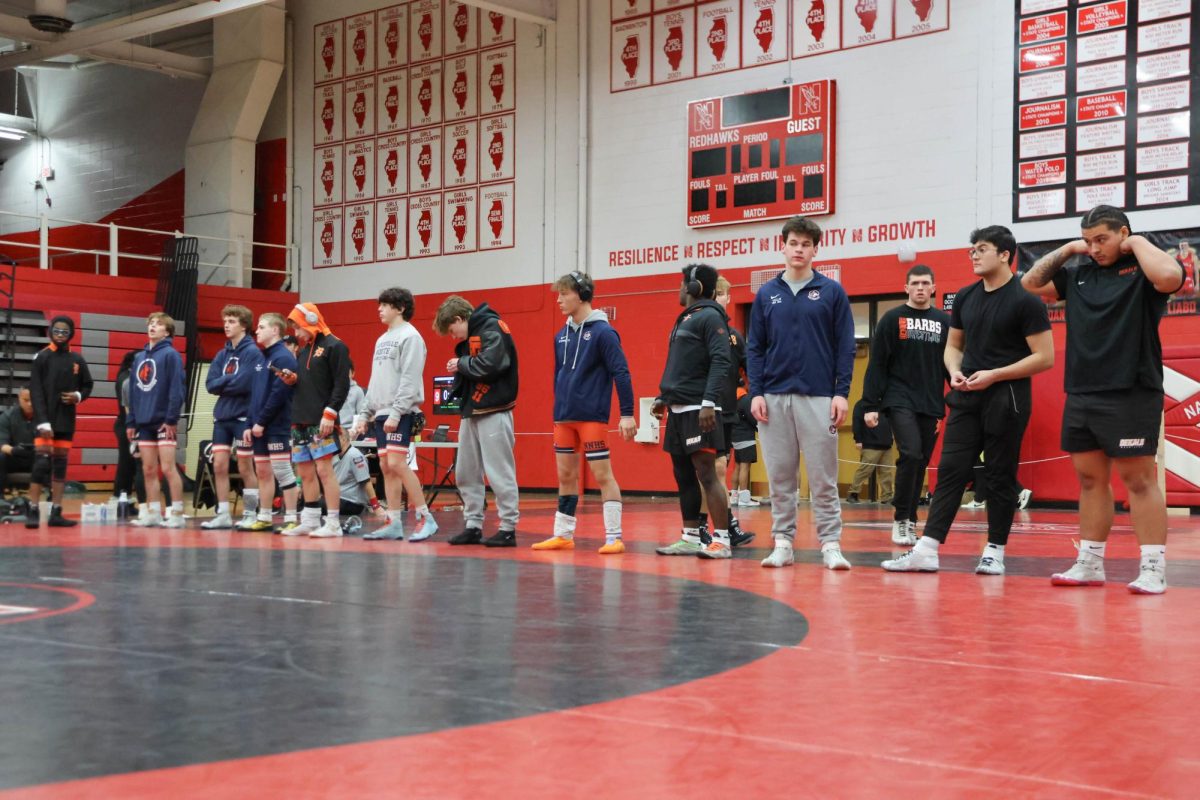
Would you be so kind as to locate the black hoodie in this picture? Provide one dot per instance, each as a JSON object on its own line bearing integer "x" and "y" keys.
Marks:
{"x": 487, "y": 365}
{"x": 56, "y": 370}
{"x": 698, "y": 359}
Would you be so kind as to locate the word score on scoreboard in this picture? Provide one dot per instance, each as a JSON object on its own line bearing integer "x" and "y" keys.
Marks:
{"x": 762, "y": 155}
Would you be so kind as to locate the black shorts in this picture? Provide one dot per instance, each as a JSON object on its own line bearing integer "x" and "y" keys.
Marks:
{"x": 1122, "y": 423}
{"x": 684, "y": 437}
{"x": 746, "y": 455}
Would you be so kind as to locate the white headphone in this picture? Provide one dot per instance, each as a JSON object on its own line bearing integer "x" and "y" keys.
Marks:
{"x": 309, "y": 316}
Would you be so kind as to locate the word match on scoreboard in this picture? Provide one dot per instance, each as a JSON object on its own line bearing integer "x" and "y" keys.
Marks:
{"x": 761, "y": 155}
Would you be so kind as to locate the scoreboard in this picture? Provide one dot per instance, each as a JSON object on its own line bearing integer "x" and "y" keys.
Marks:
{"x": 761, "y": 155}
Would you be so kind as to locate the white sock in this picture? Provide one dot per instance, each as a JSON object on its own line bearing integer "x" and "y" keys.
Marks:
{"x": 395, "y": 516}
{"x": 331, "y": 518}
{"x": 423, "y": 511}
{"x": 927, "y": 543}
{"x": 691, "y": 535}
{"x": 222, "y": 508}
{"x": 564, "y": 525}
{"x": 264, "y": 515}
{"x": 288, "y": 516}
{"x": 1154, "y": 554}
{"x": 994, "y": 550}
{"x": 1093, "y": 549}
{"x": 156, "y": 509}
{"x": 612, "y": 518}
{"x": 721, "y": 536}
{"x": 177, "y": 508}
{"x": 250, "y": 500}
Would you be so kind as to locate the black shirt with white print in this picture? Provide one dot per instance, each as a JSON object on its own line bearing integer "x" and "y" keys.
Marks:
{"x": 907, "y": 369}
{"x": 996, "y": 323}
{"x": 1112, "y": 326}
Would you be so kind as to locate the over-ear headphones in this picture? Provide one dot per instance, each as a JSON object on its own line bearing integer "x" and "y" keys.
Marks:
{"x": 583, "y": 285}
{"x": 694, "y": 287}
{"x": 309, "y": 316}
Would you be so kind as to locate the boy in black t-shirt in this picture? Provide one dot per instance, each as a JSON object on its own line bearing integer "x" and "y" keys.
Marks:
{"x": 906, "y": 378}
{"x": 1115, "y": 296}
{"x": 999, "y": 337}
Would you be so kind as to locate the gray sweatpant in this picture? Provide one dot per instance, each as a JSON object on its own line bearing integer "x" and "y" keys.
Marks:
{"x": 795, "y": 423}
{"x": 485, "y": 447}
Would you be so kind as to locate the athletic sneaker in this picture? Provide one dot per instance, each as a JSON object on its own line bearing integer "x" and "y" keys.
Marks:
{"x": 915, "y": 560}
{"x": 615, "y": 547}
{"x": 287, "y": 528}
{"x": 831, "y": 554}
{"x": 904, "y": 532}
{"x": 781, "y": 556}
{"x": 739, "y": 537}
{"x": 394, "y": 530}
{"x": 301, "y": 528}
{"x": 330, "y": 530}
{"x": 716, "y": 549}
{"x": 1086, "y": 571}
{"x": 175, "y": 521}
{"x": 555, "y": 543}
{"x": 1023, "y": 498}
{"x": 468, "y": 536}
{"x": 218, "y": 522}
{"x": 989, "y": 565}
{"x": 745, "y": 500}
{"x": 150, "y": 520}
{"x": 680, "y": 548}
{"x": 975, "y": 505}
{"x": 705, "y": 536}
{"x": 501, "y": 538}
{"x": 1152, "y": 579}
{"x": 259, "y": 525}
{"x": 428, "y": 528}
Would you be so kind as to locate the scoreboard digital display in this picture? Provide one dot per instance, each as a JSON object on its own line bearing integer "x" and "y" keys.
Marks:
{"x": 761, "y": 155}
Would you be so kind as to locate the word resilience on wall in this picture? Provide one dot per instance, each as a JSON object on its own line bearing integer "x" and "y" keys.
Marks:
{"x": 762, "y": 155}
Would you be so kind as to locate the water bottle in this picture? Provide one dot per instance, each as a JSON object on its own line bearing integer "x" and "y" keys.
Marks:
{"x": 123, "y": 507}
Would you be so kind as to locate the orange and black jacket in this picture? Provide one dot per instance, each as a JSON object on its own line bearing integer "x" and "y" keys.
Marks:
{"x": 487, "y": 365}
{"x": 57, "y": 370}
{"x": 323, "y": 370}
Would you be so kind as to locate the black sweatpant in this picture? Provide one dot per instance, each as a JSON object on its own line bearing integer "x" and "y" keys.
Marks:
{"x": 991, "y": 422}
{"x": 127, "y": 465}
{"x": 916, "y": 435}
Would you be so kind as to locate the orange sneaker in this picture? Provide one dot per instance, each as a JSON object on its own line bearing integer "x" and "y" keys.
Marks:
{"x": 555, "y": 543}
{"x": 612, "y": 548}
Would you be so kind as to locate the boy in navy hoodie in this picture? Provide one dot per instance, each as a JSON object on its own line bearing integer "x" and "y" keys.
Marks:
{"x": 270, "y": 419}
{"x": 588, "y": 361}
{"x": 156, "y": 394}
{"x": 800, "y": 358}
{"x": 231, "y": 378}
{"x": 59, "y": 381}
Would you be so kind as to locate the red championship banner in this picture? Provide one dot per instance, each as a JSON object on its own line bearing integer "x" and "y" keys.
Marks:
{"x": 360, "y": 107}
{"x": 360, "y": 171}
{"x": 327, "y": 175}
{"x": 630, "y": 59}
{"x": 718, "y": 40}
{"x": 327, "y": 51}
{"x": 866, "y": 22}
{"x": 1046, "y": 172}
{"x": 764, "y": 32}
{"x": 391, "y": 165}
{"x": 1043, "y": 28}
{"x": 391, "y": 37}
{"x": 497, "y": 146}
{"x": 461, "y": 79}
{"x": 359, "y": 234}
{"x": 391, "y": 92}
{"x": 460, "y": 143}
{"x": 462, "y": 220}
{"x": 1042, "y": 115}
{"x": 327, "y": 237}
{"x": 425, "y": 160}
{"x": 761, "y": 155}
{"x": 1093, "y": 107}
{"x": 425, "y": 225}
{"x": 1043, "y": 56}
{"x": 327, "y": 114}
{"x": 498, "y": 79}
{"x": 425, "y": 94}
{"x": 1102, "y": 17}
{"x": 816, "y": 27}
{"x": 425, "y": 30}
{"x": 674, "y": 45}
{"x": 497, "y": 216}
{"x": 461, "y": 28}
{"x": 496, "y": 28}
{"x": 391, "y": 230}
{"x": 360, "y": 44}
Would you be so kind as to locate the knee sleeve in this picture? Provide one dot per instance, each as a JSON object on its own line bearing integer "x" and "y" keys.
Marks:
{"x": 284, "y": 476}
{"x": 58, "y": 463}
{"x": 40, "y": 474}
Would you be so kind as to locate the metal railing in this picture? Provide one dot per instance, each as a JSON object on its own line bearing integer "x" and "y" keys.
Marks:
{"x": 236, "y": 259}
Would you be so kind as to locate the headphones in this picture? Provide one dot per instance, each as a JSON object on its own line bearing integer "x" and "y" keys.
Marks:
{"x": 309, "y": 316}
{"x": 694, "y": 287}
{"x": 583, "y": 285}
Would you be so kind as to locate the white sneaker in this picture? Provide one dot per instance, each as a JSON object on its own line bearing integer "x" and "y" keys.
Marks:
{"x": 303, "y": 528}
{"x": 148, "y": 521}
{"x": 745, "y": 500}
{"x": 831, "y": 554}
{"x": 1086, "y": 571}
{"x": 989, "y": 565}
{"x": 219, "y": 521}
{"x": 1151, "y": 580}
{"x": 329, "y": 530}
{"x": 175, "y": 521}
{"x": 781, "y": 556}
{"x": 975, "y": 505}
{"x": 904, "y": 532}
{"x": 247, "y": 520}
{"x": 915, "y": 560}
{"x": 1023, "y": 498}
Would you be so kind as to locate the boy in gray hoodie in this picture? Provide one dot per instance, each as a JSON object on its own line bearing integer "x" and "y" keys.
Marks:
{"x": 394, "y": 397}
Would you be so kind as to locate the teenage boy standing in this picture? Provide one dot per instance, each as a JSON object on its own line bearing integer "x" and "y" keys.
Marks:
{"x": 156, "y": 395}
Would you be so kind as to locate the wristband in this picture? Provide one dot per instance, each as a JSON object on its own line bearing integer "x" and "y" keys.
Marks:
{"x": 374, "y": 503}
{"x": 330, "y": 415}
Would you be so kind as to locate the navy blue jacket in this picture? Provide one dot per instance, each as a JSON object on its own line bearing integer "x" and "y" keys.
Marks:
{"x": 588, "y": 359}
{"x": 231, "y": 377}
{"x": 156, "y": 386}
{"x": 271, "y": 398}
{"x": 803, "y": 343}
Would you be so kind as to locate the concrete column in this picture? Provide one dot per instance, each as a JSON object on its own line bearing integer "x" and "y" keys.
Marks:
{"x": 248, "y": 59}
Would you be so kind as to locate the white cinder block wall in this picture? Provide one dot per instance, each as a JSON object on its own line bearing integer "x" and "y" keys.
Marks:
{"x": 109, "y": 132}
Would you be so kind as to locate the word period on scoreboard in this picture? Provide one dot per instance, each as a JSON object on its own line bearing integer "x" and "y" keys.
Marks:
{"x": 762, "y": 155}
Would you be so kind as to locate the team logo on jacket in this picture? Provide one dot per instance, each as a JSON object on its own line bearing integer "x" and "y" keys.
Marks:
{"x": 147, "y": 375}
{"x": 814, "y": 294}
{"x": 231, "y": 366}
{"x": 587, "y": 336}
{"x": 776, "y": 299}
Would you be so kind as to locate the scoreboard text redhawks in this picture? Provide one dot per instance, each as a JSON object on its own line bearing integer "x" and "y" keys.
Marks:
{"x": 761, "y": 155}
